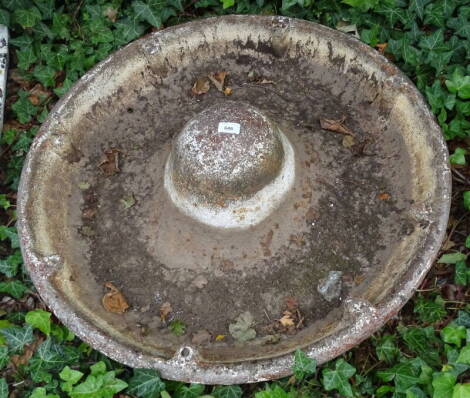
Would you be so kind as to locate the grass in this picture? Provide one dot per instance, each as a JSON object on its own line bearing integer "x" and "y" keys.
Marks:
{"x": 423, "y": 352}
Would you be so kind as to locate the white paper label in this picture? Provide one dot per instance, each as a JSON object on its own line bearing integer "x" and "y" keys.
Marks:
{"x": 229, "y": 128}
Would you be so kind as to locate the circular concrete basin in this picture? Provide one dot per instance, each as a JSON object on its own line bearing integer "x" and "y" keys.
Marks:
{"x": 216, "y": 195}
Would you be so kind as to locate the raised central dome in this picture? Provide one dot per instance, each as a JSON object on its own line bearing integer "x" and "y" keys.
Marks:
{"x": 230, "y": 166}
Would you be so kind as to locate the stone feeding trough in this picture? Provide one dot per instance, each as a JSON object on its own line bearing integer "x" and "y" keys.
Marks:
{"x": 216, "y": 195}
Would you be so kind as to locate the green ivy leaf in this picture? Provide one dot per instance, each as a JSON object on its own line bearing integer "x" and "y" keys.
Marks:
{"x": 23, "y": 109}
{"x": 463, "y": 319}
{"x": 363, "y": 5}
{"x": 466, "y": 200}
{"x": 461, "y": 26}
{"x": 128, "y": 29}
{"x": 9, "y": 266}
{"x": 386, "y": 349}
{"x": 4, "y": 357}
{"x": 417, "y": 7}
{"x": 273, "y": 392}
{"x": 47, "y": 8}
{"x": 41, "y": 31}
{"x": 50, "y": 356}
{"x": 4, "y": 202}
{"x": 17, "y": 337}
{"x": 143, "y": 12}
{"x": 191, "y": 391}
{"x": 3, "y": 388}
{"x": 434, "y": 42}
{"x": 99, "y": 384}
{"x": 461, "y": 391}
{"x": 21, "y": 41}
{"x": 26, "y": 57}
{"x": 464, "y": 356}
{"x": 70, "y": 375}
{"x": 404, "y": 374}
{"x": 459, "y": 84}
{"x": 99, "y": 368}
{"x": 452, "y": 258}
{"x": 233, "y": 391}
{"x": 458, "y": 157}
{"x": 11, "y": 234}
{"x": 443, "y": 384}
{"x": 424, "y": 342}
{"x": 14, "y": 288}
{"x": 415, "y": 392}
{"x": 39, "y": 319}
{"x": 430, "y": 310}
{"x": 145, "y": 383}
{"x": 40, "y": 392}
{"x": 461, "y": 273}
{"x": 61, "y": 25}
{"x": 338, "y": 378}
{"x": 453, "y": 334}
{"x": 27, "y": 18}
{"x": 303, "y": 365}
{"x": 45, "y": 74}
{"x": 4, "y": 17}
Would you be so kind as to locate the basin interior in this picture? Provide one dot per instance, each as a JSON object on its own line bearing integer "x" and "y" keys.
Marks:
{"x": 359, "y": 205}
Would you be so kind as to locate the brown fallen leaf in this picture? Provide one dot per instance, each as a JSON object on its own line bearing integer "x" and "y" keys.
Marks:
{"x": 114, "y": 301}
{"x": 337, "y": 126}
{"x": 218, "y": 80}
{"x": 201, "y": 337}
{"x": 29, "y": 350}
{"x": 111, "y": 13}
{"x": 381, "y": 47}
{"x": 348, "y": 141}
{"x": 165, "y": 309}
{"x": 201, "y": 86}
{"x": 110, "y": 163}
{"x": 287, "y": 319}
{"x": 383, "y": 196}
{"x": 291, "y": 303}
{"x": 228, "y": 91}
{"x": 34, "y": 100}
{"x": 88, "y": 214}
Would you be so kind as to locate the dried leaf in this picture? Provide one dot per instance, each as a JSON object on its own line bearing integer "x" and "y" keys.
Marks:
{"x": 128, "y": 201}
{"x": 291, "y": 303}
{"x": 201, "y": 86}
{"x": 165, "y": 309}
{"x": 348, "y": 141}
{"x": 337, "y": 126}
{"x": 384, "y": 196}
{"x": 287, "y": 319}
{"x": 114, "y": 301}
{"x": 218, "y": 80}
{"x": 111, "y": 13}
{"x": 89, "y": 214}
{"x": 201, "y": 337}
{"x": 110, "y": 163}
{"x": 381, "y": 47}
{"x": 28, "y": 352}
{"x": 228, "y": 91}
{"x": 34, "y": 100}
